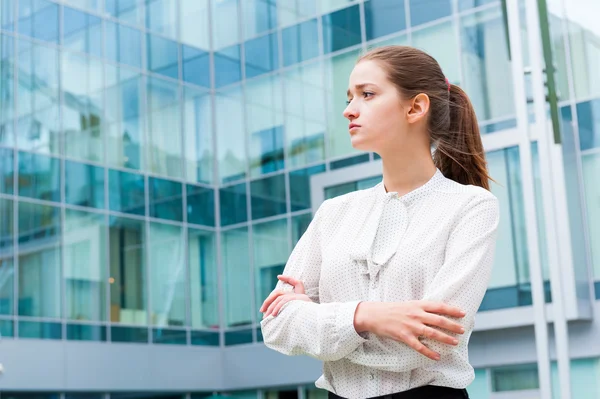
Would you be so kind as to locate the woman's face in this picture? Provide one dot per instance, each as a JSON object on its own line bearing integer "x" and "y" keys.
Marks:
{"x": 377, "y": 114}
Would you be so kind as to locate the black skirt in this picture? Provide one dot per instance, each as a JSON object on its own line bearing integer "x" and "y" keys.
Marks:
{"x": 426, "y": 392}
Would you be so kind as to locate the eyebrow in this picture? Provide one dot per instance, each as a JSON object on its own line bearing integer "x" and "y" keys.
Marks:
{"x": 360, "y": 86}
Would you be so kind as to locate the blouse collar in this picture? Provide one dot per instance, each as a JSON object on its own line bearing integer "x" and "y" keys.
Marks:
{"x": 432, "y": 185}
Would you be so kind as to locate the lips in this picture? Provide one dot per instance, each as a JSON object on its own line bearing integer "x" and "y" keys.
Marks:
{"x": 352, "y": 126}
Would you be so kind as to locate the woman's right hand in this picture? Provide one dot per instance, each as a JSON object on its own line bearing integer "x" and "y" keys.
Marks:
{"x": 407, "y": 321}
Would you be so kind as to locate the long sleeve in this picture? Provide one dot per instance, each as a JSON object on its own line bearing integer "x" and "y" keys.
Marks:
{"x": 323, "y": 331}
{"x": 461, "y": 281}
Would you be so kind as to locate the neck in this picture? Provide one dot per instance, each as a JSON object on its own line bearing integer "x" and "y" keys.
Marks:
{"x": 403, "y": 173}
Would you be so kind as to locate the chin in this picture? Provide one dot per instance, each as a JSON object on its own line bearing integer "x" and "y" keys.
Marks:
{"x": 358, "y": 143}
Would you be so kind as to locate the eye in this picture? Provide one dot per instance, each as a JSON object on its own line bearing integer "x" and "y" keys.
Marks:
{"x": 348, "y": 101}
{"x": 367, "y": 94}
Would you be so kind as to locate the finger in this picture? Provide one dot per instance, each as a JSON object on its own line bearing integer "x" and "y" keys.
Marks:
{"x": 443, "y": 322}
{"x": 432, "y": 333}
{"x": 270, "y": 299}
{"x": 422, "y": 349}
{"x": 297, "y": 284}
{"x": 274, "y": 304}
{"x": 442, "y": 308}
{"x": 282, "y": 302}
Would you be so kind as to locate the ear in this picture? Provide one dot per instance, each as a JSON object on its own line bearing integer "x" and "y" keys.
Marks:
{"x": 418, "y": 108}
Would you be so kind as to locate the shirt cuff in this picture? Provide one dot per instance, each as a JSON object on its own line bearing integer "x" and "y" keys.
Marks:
{"x": 344, "y": 324}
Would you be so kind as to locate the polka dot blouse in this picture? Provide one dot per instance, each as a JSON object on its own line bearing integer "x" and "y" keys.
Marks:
{"x": 435, "y": 243}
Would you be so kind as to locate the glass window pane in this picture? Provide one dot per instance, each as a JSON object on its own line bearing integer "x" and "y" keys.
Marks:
{"x": 293, "y": 11}
{"x": 591, "y": 171}
{"x": 341, "y": 29}
{"x": 92, "y": 5}
{"x": 194, "y": 15}
{"x": 204, "y": 338}
{"x": 34, "y": 329}
{"x": 7, "y": 15}
{"x": 39, "y": 176}
{"x": 337, "y": 73}
{"x": 196, "y": 66}
{"x": 7, "y": 328}
{"x": 200, "y": 205}
{"x": 271, "y": 251}
{"x": 85, "y": 267}
{"x": 130, "y": 11}
{"x": 83, "y": 332}
{"x": 39, "y": 19}
{"x": 588, "y": 114}
{"x": 299, "y": 225}
{"x": 300, "y": 187}
{"x": 203, "y": 279}
{"x": 128, "y": 334}
{"x": 164, "y": 128}
{"x": 168, "y": 336}
{"x": 230, "y": 134}
{"x": 198, "y": 141}
{"x": 236, "y": 272}
{"x": 268, "y": 197}
{"x": 161, "y": 17}
{"x": 228, "y": 67}
{"x": 259, "y": 16}
{"x": 7, "y": 171}
{"x": 487, "y": 70}
{"x": 83, "y": 106}
{"x": 467, "y": 4}
{"x": 225, "y": 30}
{"x": 429, "y": 40}
{"x": 39, "y": 260}
{"x": 7, "y": 237}
{"x": 262, "y": 55}
{"x": 162, "y": 56}
{"x": 82, "y": 32}
{"x": 167, "y": 275}
{"x": 238, "y": 337}
{"x": 123, "y": 44}
{"x": 84, "y": 185}
{"x": 123, "y": 114}
{"x": 7, "y": 89}
{"x": 514, "y": 378}
{"x": 127, "y": 251}
{"x": 399, "y": 40}
{"x": 305, "y": 120}
{"x": 328, "y": 5}
{"x": 38, "y": 109}
{"x": 165, "y": 199}
{"x": 300, "y": 42}
{"x": 422, "y": 11}
{"x": 126, "y": 192}
{"x": 233, "y": 204}
{"x": 265, "y": 125}
{"x": 383, "y": 17}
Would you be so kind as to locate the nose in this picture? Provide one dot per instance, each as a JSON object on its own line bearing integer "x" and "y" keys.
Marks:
{"x": 350, "y": 112}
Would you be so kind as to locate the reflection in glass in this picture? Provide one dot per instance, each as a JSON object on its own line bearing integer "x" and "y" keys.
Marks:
{"x": 83, "y": 107}
{"x": 200, "y": 205}
{"x": 39, "y": 176}
{"x": 299, "y": 225}
{"x": 127, "y": 271}
{"x": 7, "y": 328}
{"x": 7, "y": 87}
{"x": 82, "y": 32}
{"x": 228, "y": 66}
{"x": 128, "y": 334}
{"x": 6, "y": 256}
{"x": 290, "y": 12}
{"x": 588, "y": 115}
{"x": 383, "y": 17}
{"x": 166, "y": 199}
{"x": 130, "y": 11}
{"x": 123, "y": 44}
{"x": 225, "y": 31}
{"x": 203, "y": 279}
{"x": 236, "y": 272}
{"x": 259, "y": 16}
{"x": 7, "y": 170}
{"x": 39, "y": 260}
{"x": 268, "y": 196}
{"x": 341, "y": 29}
{"x": 193, "y": 23}
{"x": 233, "y": 204}
{"x": 238, "y": 337}
{"x": 195, "y": 66}
{"x": 161, "y": 17}
{"x": 591, "y": 171}
{"x": 262, "y": 55}
{"x": 300, "y": 42}
{"x": 230, "y": 134}
{"x": 425, "y": 11}
{"x": 85, "y": 268}
{"x": 167, "y": 275}
{"x": 169, "y": 336}
{"x": 39, "y": 19}
{"x": 466, "y": 4}
{"x": 204, "y": 338}
{"x": 328, "y": 5}
{"x": 126, "y": 192}
{"x": 164, "y": 128}
{"x": 162, "y": 56}
{"x": 84, "y": 184}
{"x": 198, "y": 139}
{"x": 7, "y": 15}
{"x": 429, "y": 40}
{"x": 85, "y": 332}
{"x": 300, "y": 187}
{"x": 37, "y": 330}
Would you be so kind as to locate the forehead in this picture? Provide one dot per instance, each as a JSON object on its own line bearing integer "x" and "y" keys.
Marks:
{"x": 368, "y": 71}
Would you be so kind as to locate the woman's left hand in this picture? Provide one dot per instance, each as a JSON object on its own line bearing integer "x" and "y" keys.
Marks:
{"x": 274, "y": 302}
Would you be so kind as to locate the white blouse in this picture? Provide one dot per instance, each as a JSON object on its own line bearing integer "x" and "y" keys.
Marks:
{"x": 435, "y": 243}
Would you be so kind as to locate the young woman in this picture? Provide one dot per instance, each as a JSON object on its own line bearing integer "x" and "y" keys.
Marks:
{"x": 385, "y": 283}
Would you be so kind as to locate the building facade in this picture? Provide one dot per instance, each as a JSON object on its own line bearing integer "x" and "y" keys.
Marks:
{"x": 159, "y": 159}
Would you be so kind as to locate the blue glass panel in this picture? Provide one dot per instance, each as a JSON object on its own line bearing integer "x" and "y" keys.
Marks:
{"x": 341, "y": 29}
{"x": 262, "y": 55}
{"x": 8, "y": 68}
{"x": 123, "y": 44}
{"x": 228, "y": 67}
{"x": 7, "y": 212}
{"x": 39, "y": 19}
{"x": 423, "y": 11}
{"x": 300, "y": 187}
{"x": 161, "y": 17}
{"x": 126, "y": 10}
{"x": 196, "y": 66}
{"x": 7, "y": 171}
{"x": 270, "y": 150}
{"x": 33, "y": 329}
{"x": 467, "y": 4}
{"x": 259, "y": 16}
{"x": 84, "y": 332}
{"x": 233, "y": 204}
{"x": 499, "y": 126}
{"x": 268, "y": 196}
{"x": 259, "y": 335}
{"x": 597, "y": 289}
{"x": 7, "y": 16}
{"x": 82, "y": 32}
{"x": 342, "y": 163}
{"x": 200, "y": 205}
{"x": 238, "y": 337}
{"x": 39, "y": 176}
{"x": 84, "y": 184}
{"x": 166, "y": 199}
{"x": 589, "y": 124}
{"x": 299, "y": 225}
{"x": 300, "y": 42}
{"x": 126, "y": 192}
{"x": 162, "y": 56}
{"x": 383, "y": 17}
{"x": 6, "y": 328}
{"x": 169, "y": 336}
{"x": 129, "y": 334}
{"x": 205, "y": 338}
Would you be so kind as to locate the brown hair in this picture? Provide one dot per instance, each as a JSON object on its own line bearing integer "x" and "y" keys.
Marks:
{"x": 453, "y": 127}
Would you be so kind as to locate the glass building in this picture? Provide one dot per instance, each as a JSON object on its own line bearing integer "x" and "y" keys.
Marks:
{"x": 159, "y": 159}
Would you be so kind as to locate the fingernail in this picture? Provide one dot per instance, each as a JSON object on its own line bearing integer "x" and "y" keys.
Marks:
{"x": 455, "y": 341}
{"x": 462, "y": 330}
{"x": 437, "y": 357}
{"x": 463, "y": 313}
